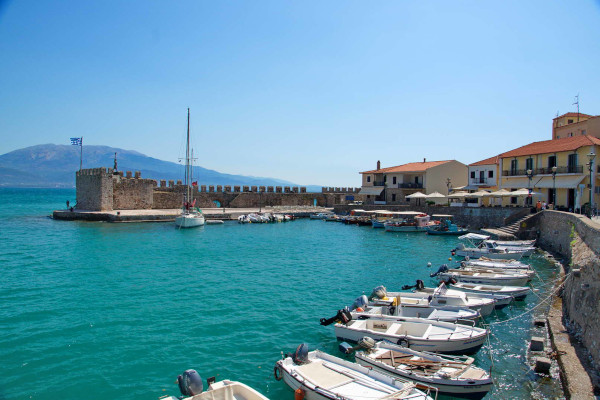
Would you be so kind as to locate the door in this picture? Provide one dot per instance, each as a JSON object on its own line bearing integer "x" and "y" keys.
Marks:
{"x": 571, "y": 199}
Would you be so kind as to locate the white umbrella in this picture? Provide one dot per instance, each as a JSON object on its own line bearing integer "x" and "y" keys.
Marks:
{"x": 481, "y": 193}
{"x": 417, "y": 195}
{"x": 458, "y": 195}
{"x": 436, "y": 195}
{"x": 523, "y": 192}
{"x": 501, "y": 193}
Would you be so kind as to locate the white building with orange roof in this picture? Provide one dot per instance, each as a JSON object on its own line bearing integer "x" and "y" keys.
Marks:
{"x": 483, "y": 175}
{"x": 559, "y": 170}
{"x": 392, "y": 184}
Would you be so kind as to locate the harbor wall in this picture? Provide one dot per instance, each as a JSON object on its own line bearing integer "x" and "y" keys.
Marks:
{"x": 474, "y": 218}
{"x": 576, "y": 239}
{"x": 132, "y": 193}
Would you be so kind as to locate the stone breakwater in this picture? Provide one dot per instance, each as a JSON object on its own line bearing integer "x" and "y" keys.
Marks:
{"x": 102, "y": 189}
{"x": 576, "y": 239}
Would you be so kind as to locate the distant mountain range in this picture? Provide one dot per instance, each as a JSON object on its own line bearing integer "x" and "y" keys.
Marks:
{"x": 51, "y": 165}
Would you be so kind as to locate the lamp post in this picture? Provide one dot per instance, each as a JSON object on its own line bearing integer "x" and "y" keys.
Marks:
{"x": 529, "y": 175}
{"x": 554, "y": 186}
{"x": 591, "y": 157}
{"x": 448, "y": 184}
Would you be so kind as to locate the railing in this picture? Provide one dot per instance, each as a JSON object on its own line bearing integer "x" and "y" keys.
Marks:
{"x": 567, "y": 169}
{"x": 478, "y": 181}
{"x": 380, "y": 183}
{"x": 410, "y": 186}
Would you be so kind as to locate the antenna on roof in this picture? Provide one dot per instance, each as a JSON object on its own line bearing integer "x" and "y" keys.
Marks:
{"x": 577, "y": 102}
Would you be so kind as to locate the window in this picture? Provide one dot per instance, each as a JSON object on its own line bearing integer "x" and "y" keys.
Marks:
{"x": 551, "y": 161}
{"x": 514, "y": 165}
{"x": 570, "y": 134}
{"x": 393, "y": 196}
{"x": 583, "y": 131}
{"x": 416, "y": 179}
{"x": 572, "y": 163}
{"x": 529, "y": 163}
{"x": 394, "y": 181}
{"x": 368, "y": 178}
{"x": 473, "y": 174}
{"x": 384, "y": 178}
{"x": 490, "y": 174}
{"x": 570, "y": 121}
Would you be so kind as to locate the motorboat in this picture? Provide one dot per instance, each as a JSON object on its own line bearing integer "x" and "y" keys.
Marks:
{"x": 482, "y": 277}
{"x": 526, "y": 250}
{"x": 517, "y": 292}
{"x": 488, "y": 250}
{"x": 455, "y": 376}
{"x": 500, "y": 300}
{"x": 316, "y": 375}
{"x": 409, "y": 221}
{"x": 507, "y": 271}
{"x": 489, "y": 263}
{"x": 320, "y": 215}
{"x": 515, "y": 243}
{"x": 191, "y": 387}
{"x": 437, "y": 299}
{"x": 446, "y": 226}
{"x": 416, "y": 333}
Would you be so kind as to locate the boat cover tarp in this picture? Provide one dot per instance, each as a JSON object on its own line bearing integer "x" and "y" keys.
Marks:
{"x": 474, "y": 236}
{"x": 371, "y": 190}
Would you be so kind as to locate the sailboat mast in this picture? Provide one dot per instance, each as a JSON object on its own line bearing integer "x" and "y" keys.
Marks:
{"x": 187, "y": 159}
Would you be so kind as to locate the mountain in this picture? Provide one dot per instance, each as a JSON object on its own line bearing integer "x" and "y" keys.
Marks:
{"x": 51, "y": 165}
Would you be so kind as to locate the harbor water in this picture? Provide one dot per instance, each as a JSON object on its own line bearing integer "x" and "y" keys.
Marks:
{"x": 117, "y": 311}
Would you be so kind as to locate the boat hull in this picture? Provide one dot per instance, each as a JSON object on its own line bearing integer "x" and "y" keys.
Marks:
{"x": 447, "y": 346}
{"x": 500, "y": 281}
{"x": 189, "y": 221}
{"x": 493, "y": 256}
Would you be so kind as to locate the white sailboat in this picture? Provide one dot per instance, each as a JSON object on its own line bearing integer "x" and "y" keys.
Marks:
{"x": 190, "y": 217}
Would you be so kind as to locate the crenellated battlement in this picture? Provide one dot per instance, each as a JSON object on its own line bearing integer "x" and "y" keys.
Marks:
{"x": 94, "y": 171}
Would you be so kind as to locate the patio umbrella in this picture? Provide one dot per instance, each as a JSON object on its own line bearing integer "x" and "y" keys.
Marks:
{"x": 523, "y": 192}
{"x": 458, "y": 195}
{"x": 436, "y": 195}
{"x": 481, "y": 193}
{"x": 417, "y": 195}
{"x": 501, "y": 193}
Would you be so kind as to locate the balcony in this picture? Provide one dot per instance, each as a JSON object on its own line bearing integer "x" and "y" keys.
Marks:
{"x": 480, "y": 181}
{"x": 567, "y": 169}
{"x": 410, "y": 186}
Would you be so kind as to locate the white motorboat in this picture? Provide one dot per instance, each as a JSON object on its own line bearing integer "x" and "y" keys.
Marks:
{"x": 488, "y": 263}
{"x": 321, "y": 376}
{"x": 481, "y": 249}
{"x": 500, "y": 300}
{"x": 513, "y": 243}
{"x": 437, "y": 299}
{"x": 483, "y": 277}
{"x": 417, "y": 334}
{"x": 320, "y": 215}
{"x": 190, "y": 216}
{"x": 451, "y": 375}
{"x": 214, "y": 222}
{"x": 517, "y": 292}
{"x": 526, "y": 250}
{"x": 190, "y": 385}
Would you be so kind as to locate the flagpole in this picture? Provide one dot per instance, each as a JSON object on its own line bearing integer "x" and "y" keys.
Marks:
{"x": 81, "y": 153}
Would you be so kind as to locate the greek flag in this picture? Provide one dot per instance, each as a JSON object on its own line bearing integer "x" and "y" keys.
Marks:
{"x": 77, "y": 141}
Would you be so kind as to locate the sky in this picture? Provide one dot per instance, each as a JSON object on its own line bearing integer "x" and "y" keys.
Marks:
{"x": 312, "y": 92}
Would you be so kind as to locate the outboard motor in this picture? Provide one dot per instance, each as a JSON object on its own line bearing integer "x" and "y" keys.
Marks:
{"x": 379, "y": 292}
{"x": 463, "y": 264}
{"x": 190, "y": 383}
{"x": 443, "y": 268}
{"x": 366, "y": 343}
{"x": 360, "y": 302}
{"x": 420, "y": 285}
{"x": 300, "y": 356}
{"x": 342, "y": 316}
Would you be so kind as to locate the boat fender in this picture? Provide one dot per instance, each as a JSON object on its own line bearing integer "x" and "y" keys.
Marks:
{"x": 277, "y": 372}
{"x": 420, "y": 285}
{"x": 403, "y": 342}
{"x": 379, "y": 292}
{"x": 299, "y": 394}
{"x": 190, "y": 383}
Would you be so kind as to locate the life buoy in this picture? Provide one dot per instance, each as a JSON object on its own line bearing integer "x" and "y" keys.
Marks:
{"x": 277, "y": 372}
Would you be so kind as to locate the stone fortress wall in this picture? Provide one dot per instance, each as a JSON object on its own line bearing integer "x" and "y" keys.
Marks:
{"x": 577, "y": 239}
{"x": 100, "y": 189}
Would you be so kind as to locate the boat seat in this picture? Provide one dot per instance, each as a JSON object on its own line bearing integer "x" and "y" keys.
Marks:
{"x": 322, "y": 376}
{"x": 473, "y": 373}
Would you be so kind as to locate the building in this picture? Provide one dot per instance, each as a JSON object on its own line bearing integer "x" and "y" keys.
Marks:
{"x": 391, "y": 185}
{"x": 483, "y": 174}
{"x": 575, "y": 124}
{"x": 532, "y": 166}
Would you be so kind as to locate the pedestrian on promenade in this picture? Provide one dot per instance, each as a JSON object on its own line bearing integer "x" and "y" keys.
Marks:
{"x": 67, "y": 204}
{"x": 544, "y": 205}
{"x": 538, "y": 206}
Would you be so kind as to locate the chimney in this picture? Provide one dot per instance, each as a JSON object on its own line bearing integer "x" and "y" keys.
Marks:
{"x": 378, "y": 164}
{"x": 424, "y": 159}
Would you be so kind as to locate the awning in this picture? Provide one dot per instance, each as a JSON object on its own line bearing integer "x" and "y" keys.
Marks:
{"x": 545, "y": 182}
{"x": 371, "y": 190}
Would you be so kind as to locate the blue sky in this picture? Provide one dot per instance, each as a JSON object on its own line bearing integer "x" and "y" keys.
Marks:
{"x": 308, "y": 91}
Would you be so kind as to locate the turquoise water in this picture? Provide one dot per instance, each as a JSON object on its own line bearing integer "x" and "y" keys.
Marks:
{"x": 117, "y": 311}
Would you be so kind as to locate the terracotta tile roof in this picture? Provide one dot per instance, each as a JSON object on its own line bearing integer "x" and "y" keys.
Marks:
{"x": 487, "y": 161}
{"x": 573, "y": 114}
{"x": 410, "y": 167}
{"x": 553, "y": 146}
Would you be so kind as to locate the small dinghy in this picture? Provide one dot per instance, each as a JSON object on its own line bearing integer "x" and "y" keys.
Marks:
{"x": 214, "y": 222}
{"x": 452, "y": 375}
{"x": 526, "y": 250}
{"x": 416, "y": 333}
{"x": 438, "y": 299}
{"x": 510, "y": 271}
{"x": 516, "y": 292}
{"x": 500, "y": 300}
{"x": 501, "y": 264}
{"x": 485, "y": 277}
{"x": 190, "y": 385}
{"x": 319, "y": 376}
